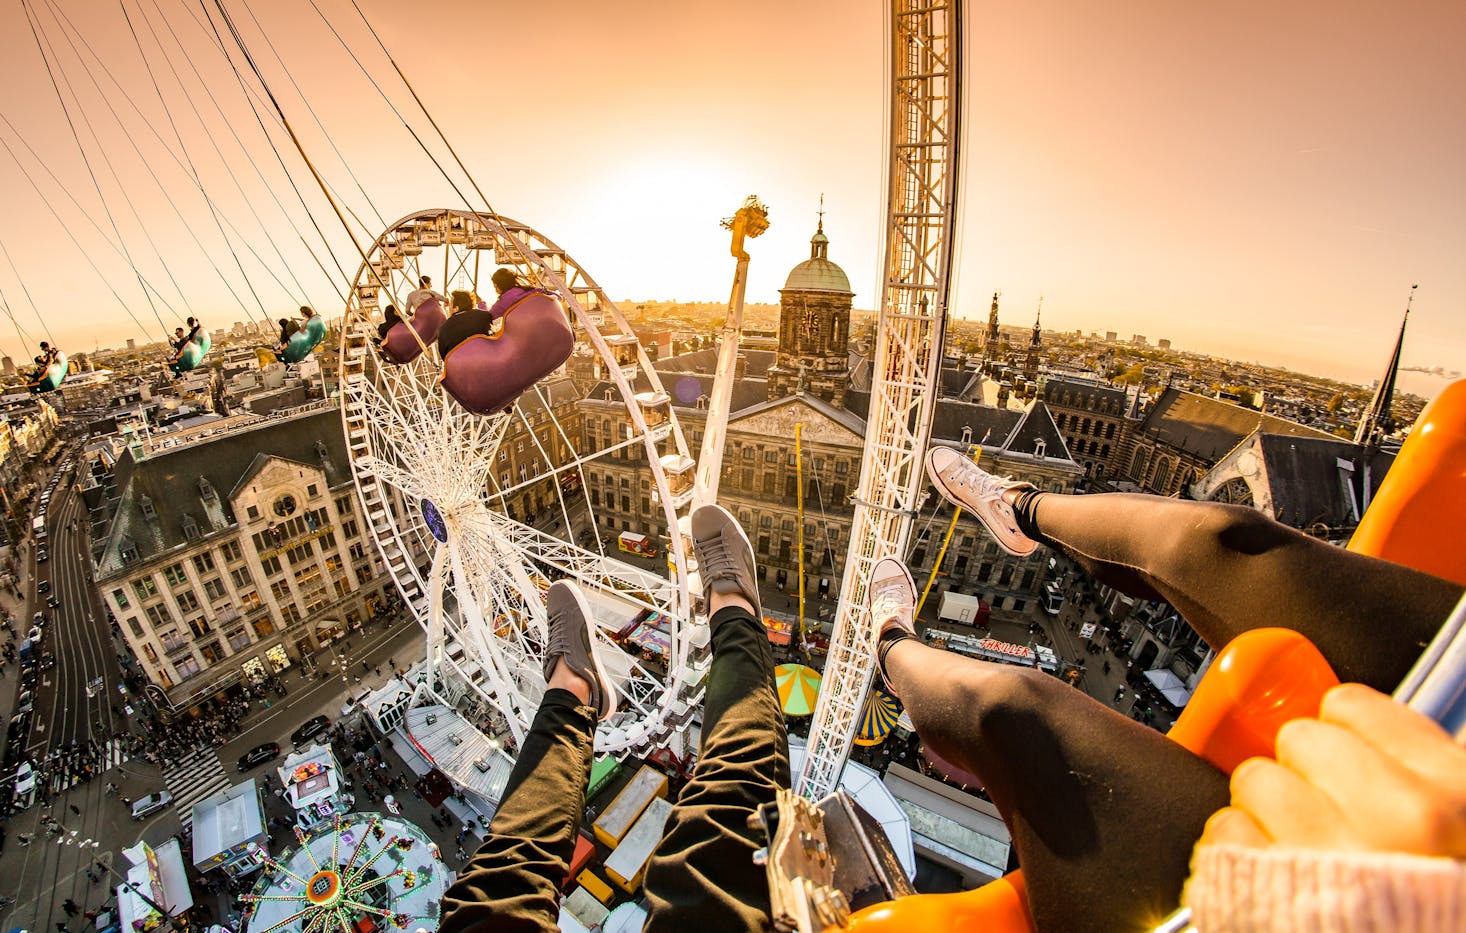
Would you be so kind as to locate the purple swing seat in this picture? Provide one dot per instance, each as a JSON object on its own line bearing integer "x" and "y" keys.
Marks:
{"x": 399, "y": 347}
{"x": 487, "y": 373}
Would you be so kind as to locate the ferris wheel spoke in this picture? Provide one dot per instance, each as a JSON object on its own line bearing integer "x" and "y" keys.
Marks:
{"x": 399, "y": 479}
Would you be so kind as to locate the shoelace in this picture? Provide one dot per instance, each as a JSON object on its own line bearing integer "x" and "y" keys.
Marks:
{"x": 986, "y": 484}
{"x": 560, "y": 635}
{"x": 716, "y": 560}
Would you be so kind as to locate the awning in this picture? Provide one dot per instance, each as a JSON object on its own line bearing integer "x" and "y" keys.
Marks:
{"x": 1171, "y": 687}
{"x": 877, "y": 719}
{"x": 798, "y": 686}
{"x": 779, "y": 632}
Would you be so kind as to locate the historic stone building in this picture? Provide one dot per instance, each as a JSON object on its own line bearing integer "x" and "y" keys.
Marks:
{"x": 1182, "y": 435}
{"x": 1094, "y": 419}
{"x": 814, "y": 328}
{"x": 235, "y": 556}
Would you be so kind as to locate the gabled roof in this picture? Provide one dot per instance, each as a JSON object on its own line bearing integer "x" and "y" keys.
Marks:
{"x": 1209, "y": 427}
{"x": 169, "y": 480}
{"x": 1037, "y": 424}
{"x": 1309, "y": 486}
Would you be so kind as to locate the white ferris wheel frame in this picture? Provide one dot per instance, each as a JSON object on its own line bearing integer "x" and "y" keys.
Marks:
{"x": 410, "y": 443}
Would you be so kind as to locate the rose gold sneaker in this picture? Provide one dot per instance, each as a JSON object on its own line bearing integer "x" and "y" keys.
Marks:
{"x": 981, "y": 493}
{"x": 891, "y": 596}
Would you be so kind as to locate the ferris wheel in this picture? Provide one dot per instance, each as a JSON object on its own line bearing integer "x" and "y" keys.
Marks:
{"x": 439, "y": 500}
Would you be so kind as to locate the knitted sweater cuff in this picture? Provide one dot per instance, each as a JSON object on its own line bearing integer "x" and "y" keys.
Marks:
{"x": 1239, "y": 888}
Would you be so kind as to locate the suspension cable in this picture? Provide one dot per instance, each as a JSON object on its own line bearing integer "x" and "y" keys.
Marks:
{"x": 193, "y": 169}
{"x": 27, "y": 292}
{"x": 146, "y": 121}
{"x": 77, "y": 243}
{"x": 300, "y": 148}
{"x": 300, "y": 196}
{"x": 33, "y": 22}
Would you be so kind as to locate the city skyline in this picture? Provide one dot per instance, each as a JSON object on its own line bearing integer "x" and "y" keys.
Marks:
{"x": 1261, "y": 184}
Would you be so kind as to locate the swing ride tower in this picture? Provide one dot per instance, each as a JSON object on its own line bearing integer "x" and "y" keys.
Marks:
{"x": 921, "y": 196}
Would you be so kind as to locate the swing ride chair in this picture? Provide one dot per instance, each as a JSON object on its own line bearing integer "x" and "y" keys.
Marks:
{"x": 191, "y": 354}
{"x": 51, "y": 377}
{"x": 1261, "y": 680}
{"x": 487, "y": 372}
{"x": 303, "y": 341}
{"x": 472, "y": 537}
{"x": 400, "y": 346}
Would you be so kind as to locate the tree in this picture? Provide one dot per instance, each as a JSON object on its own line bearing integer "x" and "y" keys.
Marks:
{"x": 1336, "y": 403}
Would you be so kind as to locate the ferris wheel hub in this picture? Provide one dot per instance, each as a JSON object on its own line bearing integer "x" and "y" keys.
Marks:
{"x": 434, "y": 520}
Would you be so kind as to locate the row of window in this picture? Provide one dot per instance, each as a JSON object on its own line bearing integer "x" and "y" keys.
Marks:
{"x": 1075, "y": 424}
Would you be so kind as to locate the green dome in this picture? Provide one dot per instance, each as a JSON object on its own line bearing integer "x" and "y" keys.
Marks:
{"x": 817, "y": 273}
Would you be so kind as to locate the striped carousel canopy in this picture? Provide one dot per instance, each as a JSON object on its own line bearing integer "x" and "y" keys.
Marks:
{"x": 878, "y": 718}
{"x": 799, "y": 687}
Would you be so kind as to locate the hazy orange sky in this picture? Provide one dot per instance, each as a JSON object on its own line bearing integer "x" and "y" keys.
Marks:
{"x": 1256, "y": 180}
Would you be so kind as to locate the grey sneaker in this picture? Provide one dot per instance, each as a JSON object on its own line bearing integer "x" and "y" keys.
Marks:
{"x": 571, "y": 639}
{"x": 981, "y": 493}
{"x": 724, "y": 556}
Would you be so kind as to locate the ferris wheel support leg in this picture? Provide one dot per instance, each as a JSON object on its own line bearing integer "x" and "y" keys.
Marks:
{"x": 435, "y": 616}
{"x": 499, "y": 676}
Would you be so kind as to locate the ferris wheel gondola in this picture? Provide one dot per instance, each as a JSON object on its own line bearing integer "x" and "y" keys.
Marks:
{"x": 471, "y": 531}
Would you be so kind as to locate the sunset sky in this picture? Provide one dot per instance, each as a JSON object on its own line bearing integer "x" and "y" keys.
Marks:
{"x": 1256, "y": 180}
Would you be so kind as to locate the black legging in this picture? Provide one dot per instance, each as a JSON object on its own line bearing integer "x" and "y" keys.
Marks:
{"x": 1229, "y": 568}
{"x": 1104, "y": 811}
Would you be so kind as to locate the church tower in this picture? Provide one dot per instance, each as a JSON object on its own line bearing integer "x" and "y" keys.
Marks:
{"x": 1035, "y": 347}
{"x": 992, "y": 348}
{"x": 814, "y": 328}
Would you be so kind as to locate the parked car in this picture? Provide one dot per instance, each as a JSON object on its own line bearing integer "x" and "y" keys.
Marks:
{"x": 35, "y": 634}
{"x": 43, "y": 587}
{"x": 259, "y": 755}
{"x": 309, "y": 730}
{"x": 150, "y": 804}
{"x": 42, "y": 556}
{"x": 25, "y": 780}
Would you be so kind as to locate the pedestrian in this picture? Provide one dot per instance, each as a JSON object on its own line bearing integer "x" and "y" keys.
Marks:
{"x": 462, "y": 856}
{"x": 91, "y": 875}
{"x": 23, "y": 838}
{"x": 70, "y": 907}
{"x": 73, "y": 809}
{"x": 127, "y": 801}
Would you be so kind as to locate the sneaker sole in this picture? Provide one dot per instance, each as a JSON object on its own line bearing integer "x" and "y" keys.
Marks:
{"x": 608, "y": 690}
{"x": 978, "y": 513}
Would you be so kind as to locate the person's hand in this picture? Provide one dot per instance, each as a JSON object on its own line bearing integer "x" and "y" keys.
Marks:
{"x": 1367, "y": 774}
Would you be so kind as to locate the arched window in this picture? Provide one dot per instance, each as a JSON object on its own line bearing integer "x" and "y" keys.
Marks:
{"x": 1162, "y": 475}
{"x": 966, "y": 434}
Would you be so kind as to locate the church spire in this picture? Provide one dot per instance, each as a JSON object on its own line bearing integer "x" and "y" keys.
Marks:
{"x": 1035, "y": 346}
{"x": 1377, "y": 421}
{"x": 819, "y": 244}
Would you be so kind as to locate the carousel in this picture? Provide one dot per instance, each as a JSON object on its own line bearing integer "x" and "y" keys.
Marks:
{"x": 363, "y": 871}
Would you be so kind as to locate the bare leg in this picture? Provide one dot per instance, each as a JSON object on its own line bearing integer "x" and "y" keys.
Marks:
{"x": 1229, "y": 569}
{"x": 1104, "y": 812}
